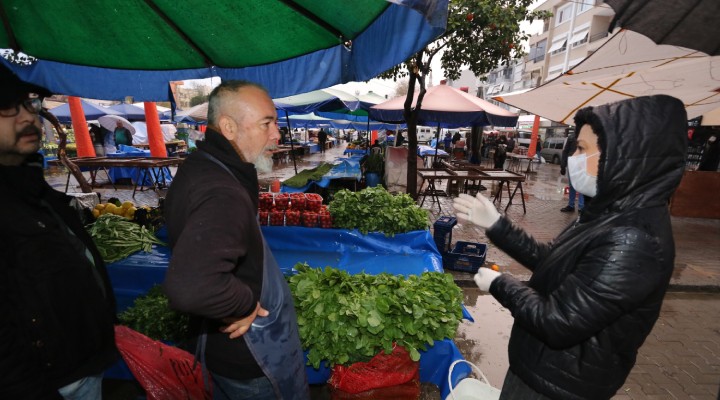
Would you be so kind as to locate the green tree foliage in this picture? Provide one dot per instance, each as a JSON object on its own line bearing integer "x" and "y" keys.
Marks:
{"x": 480, "y": 35}
{"x": 199, "y": 99}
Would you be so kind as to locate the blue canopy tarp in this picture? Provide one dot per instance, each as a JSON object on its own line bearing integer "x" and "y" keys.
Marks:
{"x": 129, "y": 112}
{"x": 91, "y": 111}
{"x": 402, "y": 29}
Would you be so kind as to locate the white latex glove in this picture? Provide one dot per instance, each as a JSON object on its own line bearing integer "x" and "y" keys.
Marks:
{"x": 485, "y": 277}
{"x": 479, "y": 210}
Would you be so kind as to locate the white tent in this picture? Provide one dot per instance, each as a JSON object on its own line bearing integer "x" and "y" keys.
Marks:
{"x": 626, "y": 66}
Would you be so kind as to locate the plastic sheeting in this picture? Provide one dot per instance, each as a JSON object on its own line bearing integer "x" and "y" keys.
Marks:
{"x": 405, "y": 254}
{"x": 347, "y": 168}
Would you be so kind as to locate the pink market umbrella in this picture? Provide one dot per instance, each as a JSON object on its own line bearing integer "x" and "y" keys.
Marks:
{"x": 446, "y": 107}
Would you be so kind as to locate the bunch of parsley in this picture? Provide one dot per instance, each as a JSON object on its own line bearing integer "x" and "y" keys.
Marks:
{"x": 374, "y": 209}
{"x": 346, "y": 318}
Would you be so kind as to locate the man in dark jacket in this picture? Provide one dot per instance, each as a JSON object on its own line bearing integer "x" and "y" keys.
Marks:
{"x": 322, "y": 139}
{"x": 569, "y": 149}
{"x": 57, "y": 305}
{"x": 221, "y": 269}
{"x": 596, "y": 290}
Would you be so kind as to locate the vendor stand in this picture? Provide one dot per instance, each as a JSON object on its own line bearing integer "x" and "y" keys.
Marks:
{"x": 409, "y": 253}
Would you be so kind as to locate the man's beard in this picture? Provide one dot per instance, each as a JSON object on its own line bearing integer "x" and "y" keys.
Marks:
{"x": 264, "y": 163}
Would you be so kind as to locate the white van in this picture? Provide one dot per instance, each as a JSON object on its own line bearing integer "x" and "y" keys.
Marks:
{"x": 522, "y": 137}
{"x": 425, "y": 134}
{"x": 552, "y": 149}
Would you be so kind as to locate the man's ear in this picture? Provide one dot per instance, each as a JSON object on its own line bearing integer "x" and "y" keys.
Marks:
{"x": 228, "y": 127}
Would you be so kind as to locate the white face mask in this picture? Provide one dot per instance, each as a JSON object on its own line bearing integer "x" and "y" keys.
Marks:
{"x": 579, "y": 177}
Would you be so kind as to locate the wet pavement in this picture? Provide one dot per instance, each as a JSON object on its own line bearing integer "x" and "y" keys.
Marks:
{"x": 679, "y": 360}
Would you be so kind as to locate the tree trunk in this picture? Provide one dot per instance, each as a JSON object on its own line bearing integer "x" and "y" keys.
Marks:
{"x": 417, "y": 73}
{"x": 62, "y": 155}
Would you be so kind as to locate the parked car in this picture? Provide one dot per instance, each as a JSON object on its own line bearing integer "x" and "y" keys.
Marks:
{"x": 552, "y": 149}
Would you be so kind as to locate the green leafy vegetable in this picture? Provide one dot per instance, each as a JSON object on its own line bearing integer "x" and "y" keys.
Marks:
{"x": 117, "y": 238}
{"x": 151, "y": 315}
{"x": 347, "y": 318}
{"x": 374, "y": 209}
{"x": 314, "y": 174}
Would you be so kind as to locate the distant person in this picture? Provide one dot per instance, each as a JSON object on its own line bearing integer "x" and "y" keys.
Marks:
{"x": 456, "y": 137}
{"x": 400, "y": 140}
{"x": 711, "y": 155}
{"x": 538, "y": 149}
{"x": 500, "y": 153}
{"x": 447, "y": 142}
{"x": 568, "y": 150}
{"x": 510, "y": 143}
{"x": 222, "y": 270}
{"x": 57, "y": 307}
{"x": 596, "y": 290}
{"x": 122, "y": 135}
{"x": 322, "y": 139}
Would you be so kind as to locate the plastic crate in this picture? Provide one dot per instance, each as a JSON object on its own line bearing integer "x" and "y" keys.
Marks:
{"x": 442, "y": 233}
{"x": 465, "y": 257}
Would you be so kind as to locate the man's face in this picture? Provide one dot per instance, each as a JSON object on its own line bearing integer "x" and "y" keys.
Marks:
{"x": 19, "y": 135}
{"x": 250, "y": 122}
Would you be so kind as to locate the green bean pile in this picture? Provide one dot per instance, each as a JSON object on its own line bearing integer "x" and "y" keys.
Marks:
{"x": 117, "y": 238}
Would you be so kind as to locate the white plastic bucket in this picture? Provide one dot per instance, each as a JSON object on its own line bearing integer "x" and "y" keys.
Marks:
{"x": 470, "y": 388}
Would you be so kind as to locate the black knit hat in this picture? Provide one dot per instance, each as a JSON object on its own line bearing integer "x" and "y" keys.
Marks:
{"x": 12, "y": 89}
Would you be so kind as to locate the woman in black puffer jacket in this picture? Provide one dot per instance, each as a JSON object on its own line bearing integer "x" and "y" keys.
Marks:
{"x": 596, "y": 290}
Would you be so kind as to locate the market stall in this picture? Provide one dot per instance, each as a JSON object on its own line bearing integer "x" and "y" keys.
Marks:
{"x": 406, "y": 254}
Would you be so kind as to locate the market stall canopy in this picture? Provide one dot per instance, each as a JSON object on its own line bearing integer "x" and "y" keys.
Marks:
{"x": 447, "y": 107}
{"x": 197, "y": 113}
{"x": 91, "y": 111}
{"x": 306, "y": 121}
{"x": 160, "y": 109}
{"x": 328, "y": 99}
{"x": 109, "y": 50}
{"x": 692, "y": 24}
{"x": 628, "y": 65}
{"x": 130, "y": 112}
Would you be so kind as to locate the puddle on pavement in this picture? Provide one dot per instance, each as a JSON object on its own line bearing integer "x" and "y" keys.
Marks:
{"x": 484, "y": 342}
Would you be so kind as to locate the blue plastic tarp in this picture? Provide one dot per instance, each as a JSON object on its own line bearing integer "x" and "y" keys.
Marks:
{"x": 430, "y": 151}
{"x": 346, "y": 168}
{"x": 405, "y": 254}
{"x": 91, "y": 111}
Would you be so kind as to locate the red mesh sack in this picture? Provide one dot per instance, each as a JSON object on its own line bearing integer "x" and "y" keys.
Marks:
{"x": 165, "y": 372}
{"x": 382, "y": 371}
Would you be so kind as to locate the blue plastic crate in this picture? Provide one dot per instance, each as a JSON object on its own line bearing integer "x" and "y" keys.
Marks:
{"x": 442, "y": 233}
{"x": 465, "y": 257}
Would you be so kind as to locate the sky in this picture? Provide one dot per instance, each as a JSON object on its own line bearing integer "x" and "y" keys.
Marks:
{"x": 386, "y": 87}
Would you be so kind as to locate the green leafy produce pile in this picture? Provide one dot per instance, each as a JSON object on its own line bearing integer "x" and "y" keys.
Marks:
{"x": 374, "y": 209}
{"x": 347, "y": 318}
{"x": 314, "y": 174}
{"x": 117, "y": 238}
{"x": 151, "y": 315}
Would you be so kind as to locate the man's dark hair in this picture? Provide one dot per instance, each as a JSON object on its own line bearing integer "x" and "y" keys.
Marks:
{"x": 218, "y": 94}
{"x": 587, "y": 116}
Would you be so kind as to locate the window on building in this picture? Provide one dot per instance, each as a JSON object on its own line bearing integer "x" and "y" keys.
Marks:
{"x": 558, "y": 46}
{"x": 508, "y": 73}
{"x": 584, "y": 5}
{"x": 563, "y": 14}
{"x": 579, "y": 38}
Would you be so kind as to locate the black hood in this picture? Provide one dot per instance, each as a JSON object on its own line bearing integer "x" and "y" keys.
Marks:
{"x": 643, "y": 145}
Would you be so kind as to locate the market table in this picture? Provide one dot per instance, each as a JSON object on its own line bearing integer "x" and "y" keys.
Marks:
{"x": 406, "y": 254}
{"x": 516, "y": 160}
{"x": 157, "y": 168}
{"x": 430, "y": 176}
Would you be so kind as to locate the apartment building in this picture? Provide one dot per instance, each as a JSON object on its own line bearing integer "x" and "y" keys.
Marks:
{"x": 576, "y": 29}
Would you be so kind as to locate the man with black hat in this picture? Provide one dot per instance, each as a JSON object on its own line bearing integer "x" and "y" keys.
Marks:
{"x": 57, "y": 307}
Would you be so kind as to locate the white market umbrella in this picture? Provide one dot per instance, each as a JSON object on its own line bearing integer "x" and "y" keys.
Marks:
{"x": 628, "y": 65}
{"x": 109, "y": 122}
